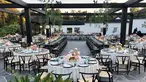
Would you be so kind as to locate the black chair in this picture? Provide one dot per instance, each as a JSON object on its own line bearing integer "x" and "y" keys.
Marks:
{"x": 25, "y": 62}
{"x": 106, "y": 63}
{"x": 138, "y": 61}
{"x": 104, "y": 75}
{"x": 123, "y": 62}
{"x": 67, "y": 75}
{"x": 40, "y": 63}
{"x": 92, "y": 77}
{"x": 8, "y": 58}
{"x": 104, "y": 60}
{"x": 42, "y": 59}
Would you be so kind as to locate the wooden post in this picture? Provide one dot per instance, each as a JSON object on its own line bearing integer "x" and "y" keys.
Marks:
{"x": 130, "y": 24}
{"x": 21, "y": 26}
{"x": 28, "y": 25}
{"x": 123, "y": 26}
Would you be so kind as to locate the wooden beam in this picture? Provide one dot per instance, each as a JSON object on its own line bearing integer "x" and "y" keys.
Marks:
{"x": 38, "y": 10}
{"x": 9, "y": 11}
{"x": 80, "y": 14}
{"x": 127, "y": 4}
{"x": 18, "y": 2}
{"x": 81, "y": 5}
{"x": 10, "y": 6}
{"x": 131, "y": 2}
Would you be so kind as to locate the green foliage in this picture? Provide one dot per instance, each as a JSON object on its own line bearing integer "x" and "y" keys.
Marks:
{"x": 48, "y": 78}
{"x": 9, "y": 29}
{"x": 53, "y": 16}
{"x": 104, "y": 17}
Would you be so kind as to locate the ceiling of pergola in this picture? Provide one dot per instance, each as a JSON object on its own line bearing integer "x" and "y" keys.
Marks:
{"x": 78, "y": 1}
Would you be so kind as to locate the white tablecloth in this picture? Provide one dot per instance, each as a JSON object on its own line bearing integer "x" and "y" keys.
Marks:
{"x": 45, "y": 51}
{"x": 6, "y": 48}
{"x": 114, "y": 54}
{"x": 139, "y": 45}
{"x": 92, "y": 68}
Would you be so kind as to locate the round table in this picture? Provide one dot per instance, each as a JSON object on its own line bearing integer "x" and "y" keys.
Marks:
{"x": 24, "y": 52}
{"x": 10, "y": 46}
{"x": 139, "y": 45}
{"x": 113, "y": 53}
{"x": 92, "y": 68}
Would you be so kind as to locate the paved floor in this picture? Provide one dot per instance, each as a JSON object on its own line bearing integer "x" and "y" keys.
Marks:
{"x": 133, "y": 76}
{"x": 81, "y": 45}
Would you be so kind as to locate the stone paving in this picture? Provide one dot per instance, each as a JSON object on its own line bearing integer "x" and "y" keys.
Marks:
{"x": 133, "y": 76}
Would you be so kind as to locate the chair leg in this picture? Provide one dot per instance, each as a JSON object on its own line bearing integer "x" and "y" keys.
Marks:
{"x": 20, "y": 68}
{"x": 144, "y": 68}
{"x": 139, "y": 68}
{"x": 29, "y": 69}
{"x": 117, "y": 69}
{"x": 127, "y": 70}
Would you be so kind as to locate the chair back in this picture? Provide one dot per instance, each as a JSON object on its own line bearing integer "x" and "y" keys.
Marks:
{"x": 67, "y": 75}
{"x": 123, "y": 59}
{"x": 94, "y": 76}
{"x": 105, "y": 59}
{"x": 6, "y": 54}
{"x": 42, "y": 58}
{"x": 140, "y": 59}
{"x": 25, "y": 59}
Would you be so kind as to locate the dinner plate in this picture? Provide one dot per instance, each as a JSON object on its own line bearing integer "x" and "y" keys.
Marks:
{"x": 92, "y": 59}
{"x": 67, "y": 65}
{"x": 53, "y": 59}
{"x": 83, "y": 65}
{"x": 120, "y": 52}
{"x": 92, "y": 62}
{"x": 27, "y": 52}
{"x": 61, "y": 57}
{"x": 110, "y": 51}
{"x": 36, "y": 51}
{"x": 85, "y": 56}
{"x": 54, "y": 63}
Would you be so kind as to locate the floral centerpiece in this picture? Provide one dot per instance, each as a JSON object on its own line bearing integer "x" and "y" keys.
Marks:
{"x": 72, "y": 59}
{"x": 119, "y": 46}
{"x": 73, "y": 56}
{"x": 46, "y": 41}
{"x": 8, "y": 43}
{"x": 33, "y": 47}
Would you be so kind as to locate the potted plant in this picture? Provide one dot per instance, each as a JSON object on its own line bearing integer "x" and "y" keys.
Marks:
{"x": 48, "y": 78}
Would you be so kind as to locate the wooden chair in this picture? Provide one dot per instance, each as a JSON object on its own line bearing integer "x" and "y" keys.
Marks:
{"x": 105, "y": 75}
{"x": 123, "y": 62}
{"x": 138, "y": 61}
{"x": 92, "y": 77}
{"x": 25, "y": 62}
{"x": 67, "y": 75}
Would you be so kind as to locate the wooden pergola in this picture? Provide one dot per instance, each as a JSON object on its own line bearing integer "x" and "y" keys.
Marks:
{"x": 33, "y": 6}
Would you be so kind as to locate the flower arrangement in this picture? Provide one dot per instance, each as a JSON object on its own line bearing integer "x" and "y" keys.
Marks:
{"x": 119, "y": 46}
{"x": 46, "y": 41}
{"x": 73, "y": 56}
{"x": 33, "y": 47}
{"x": 8, "y": 43}
{"x": 76, "y": 52}
{"x": 72, "y": 59}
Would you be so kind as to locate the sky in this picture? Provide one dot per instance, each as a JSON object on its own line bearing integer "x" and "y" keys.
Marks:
{"x": 79, "y": 1}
